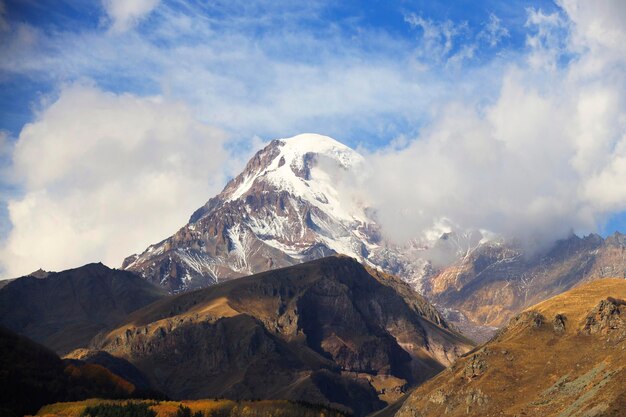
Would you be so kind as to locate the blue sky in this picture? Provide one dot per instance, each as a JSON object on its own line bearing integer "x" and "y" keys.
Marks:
{"x": 335, "y": 27}
{"x": 402, "y": 81}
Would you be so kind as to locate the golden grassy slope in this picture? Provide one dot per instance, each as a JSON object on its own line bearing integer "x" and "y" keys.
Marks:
{"x": 547, "y": 362}
{"x": 209, "y": 408}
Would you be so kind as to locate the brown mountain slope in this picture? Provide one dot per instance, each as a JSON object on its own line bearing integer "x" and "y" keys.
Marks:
{"x": 495, "y": 281}
{"x": 327, "y": 331}
{"x": 564, "y": 357}
{"x": 66, "y": 309}
{"x": 31, "y": 376}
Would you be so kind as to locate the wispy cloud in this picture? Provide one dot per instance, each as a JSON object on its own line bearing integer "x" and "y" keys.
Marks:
{"x": 125, "y": 14}
{"x": 493, "y": 31}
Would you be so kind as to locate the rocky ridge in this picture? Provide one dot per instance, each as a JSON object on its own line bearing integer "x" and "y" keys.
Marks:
{"x": 496, "y": 280}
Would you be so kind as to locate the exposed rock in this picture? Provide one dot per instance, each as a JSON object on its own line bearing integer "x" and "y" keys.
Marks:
{"x": 474, "y": 397}
{"x": 476, "y": 365}
{"x": 607, "y": 318}
{"x": 532, "y": 319}
{"x": 438, "y": 397}
{"x": 559, "y": 323}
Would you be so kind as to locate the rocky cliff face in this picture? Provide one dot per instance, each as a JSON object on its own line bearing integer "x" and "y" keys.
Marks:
{"x": 496, "y": 280}
{"x": 331, "y": 331}
{"x": 562, "y": 357}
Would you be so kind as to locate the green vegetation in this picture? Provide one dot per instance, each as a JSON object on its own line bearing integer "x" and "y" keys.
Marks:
{"x": 121, "y": 410}
{"x": 194, "y": 408}
{"x": 186, "y": 412}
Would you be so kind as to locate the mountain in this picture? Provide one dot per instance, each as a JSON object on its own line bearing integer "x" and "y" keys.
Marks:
{"x": 563, "y": 357}
{"x": 496, "y": 280}
{"x": 283, "y": 209}
{"x": 32, "y": 376}
{"x": 64, "y": 310}
{"x": 330, "y": 331}
{"x": 290, "y": 205}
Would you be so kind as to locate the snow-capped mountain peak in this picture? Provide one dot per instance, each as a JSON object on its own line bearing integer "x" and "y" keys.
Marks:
{"x": 307, "y": 166}
{"x": 286, "y": 207}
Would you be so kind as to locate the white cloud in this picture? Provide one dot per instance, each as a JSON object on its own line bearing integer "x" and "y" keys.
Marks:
{"x": 547, "y": 40}
{"x": 546, "y": 157}
{"x": 104, "y": 175}
{"x": 125, "y": 14}
{"x": 438, "y": 39}
{"x": 493, "y": 31}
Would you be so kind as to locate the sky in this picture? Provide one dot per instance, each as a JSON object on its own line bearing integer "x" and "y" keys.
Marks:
{"x": 118, "y": 118}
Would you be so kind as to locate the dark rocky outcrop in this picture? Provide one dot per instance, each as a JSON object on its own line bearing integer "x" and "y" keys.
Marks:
{"x": 558, "y": 323}
{"x": 607, "y": 318}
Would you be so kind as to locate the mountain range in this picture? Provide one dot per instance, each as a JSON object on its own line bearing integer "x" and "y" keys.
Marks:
{"x": 290, "y": 205}
{"x": 329, "y": 331}
{"x": 339, "y": 334}
{"x": 285, "y": 287}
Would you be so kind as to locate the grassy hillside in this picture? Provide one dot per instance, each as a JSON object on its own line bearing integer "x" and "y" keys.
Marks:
{"x": 564, "y": 357}
{"x": 207, "y": 408}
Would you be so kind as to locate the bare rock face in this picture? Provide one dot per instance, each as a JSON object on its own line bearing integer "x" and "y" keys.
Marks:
{"x": 330, "y": 331}
{"x": 476, "y": 365}
{"x": 607, "y": 318}
{"x": 559, "y": 323}
{"x": 496, "y": 280}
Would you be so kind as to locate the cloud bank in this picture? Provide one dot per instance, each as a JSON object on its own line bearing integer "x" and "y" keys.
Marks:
{"x": 548, "y": 157}
{"x": 105, "y": 174}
